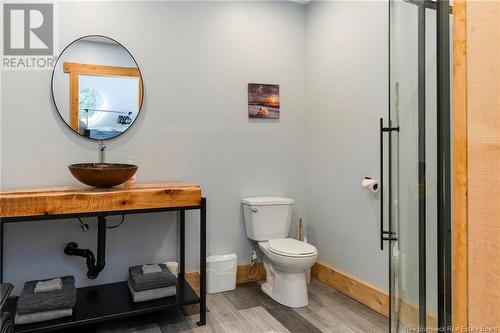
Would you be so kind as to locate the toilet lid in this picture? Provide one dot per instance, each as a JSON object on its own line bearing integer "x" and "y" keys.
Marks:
{"x": 291, "y": 247}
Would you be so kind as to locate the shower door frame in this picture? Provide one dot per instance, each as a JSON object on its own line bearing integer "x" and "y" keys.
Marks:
{"x": 444, "y": 257}
{"x": 444, "y": 164}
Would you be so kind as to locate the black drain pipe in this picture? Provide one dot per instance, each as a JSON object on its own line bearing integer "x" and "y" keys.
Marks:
{"x": 94, "y": 267}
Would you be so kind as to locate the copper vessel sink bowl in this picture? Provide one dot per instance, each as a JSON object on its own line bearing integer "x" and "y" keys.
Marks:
{"x": 102, "y": 174}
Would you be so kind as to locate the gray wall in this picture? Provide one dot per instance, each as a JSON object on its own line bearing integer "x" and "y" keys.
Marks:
{"x": 347, "y": 94}
{"x": 196, "y": 60}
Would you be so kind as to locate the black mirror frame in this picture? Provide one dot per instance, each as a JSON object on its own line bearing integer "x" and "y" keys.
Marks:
{"x": 54, "y": 100}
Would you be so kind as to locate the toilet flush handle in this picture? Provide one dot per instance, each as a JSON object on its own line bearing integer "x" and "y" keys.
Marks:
{"x": 254, "y": 210}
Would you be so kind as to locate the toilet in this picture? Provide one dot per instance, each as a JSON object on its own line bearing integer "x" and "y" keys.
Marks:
{"x": 286, "y": 260}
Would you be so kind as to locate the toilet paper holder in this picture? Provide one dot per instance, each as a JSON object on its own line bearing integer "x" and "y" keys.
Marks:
{"x": 372, "y": 186}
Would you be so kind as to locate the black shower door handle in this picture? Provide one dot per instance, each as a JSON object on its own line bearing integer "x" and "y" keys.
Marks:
{"x": 385, "y": 235}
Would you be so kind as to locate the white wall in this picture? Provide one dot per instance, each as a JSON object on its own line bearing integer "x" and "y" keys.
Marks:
{"x": 196, "y": 60}
{"x": 116, "y": 94}
{"x": 347, "y": 94}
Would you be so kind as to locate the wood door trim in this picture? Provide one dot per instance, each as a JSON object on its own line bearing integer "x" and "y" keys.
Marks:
{"x": 73, "y": 102}
{"x": 460, "y": 153}
{"x": 90, "y": 69}
{"x": 75, "y": 69}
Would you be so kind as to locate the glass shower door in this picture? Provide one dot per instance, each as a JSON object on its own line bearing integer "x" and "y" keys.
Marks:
{"x": 417, "y": 138}
{"x": 412, "y": 201}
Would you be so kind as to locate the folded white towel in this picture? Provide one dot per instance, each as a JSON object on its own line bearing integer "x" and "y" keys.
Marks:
{"x": 153, "y": 268}
{"x": 172, "y": 266}
{"x": 46, "y": 286}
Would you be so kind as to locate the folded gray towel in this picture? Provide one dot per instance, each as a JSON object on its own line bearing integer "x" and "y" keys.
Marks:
{"x": 151, "y": 268}
{"x": 22, "y": 319}
{"x": 151, "y": 294}
{"x": 48, "y": 285}
{"x": 141, "y": 282}
{"x": 65, "y": 298}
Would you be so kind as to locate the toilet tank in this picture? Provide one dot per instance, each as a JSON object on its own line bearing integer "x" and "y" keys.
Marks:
{"x": 267, "y": 217}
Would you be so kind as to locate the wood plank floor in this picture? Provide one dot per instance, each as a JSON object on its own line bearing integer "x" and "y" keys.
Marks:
{"x": 248, "y": 310}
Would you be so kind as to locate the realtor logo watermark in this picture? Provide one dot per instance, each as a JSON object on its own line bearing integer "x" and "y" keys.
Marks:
{"x": 28, "y": 36}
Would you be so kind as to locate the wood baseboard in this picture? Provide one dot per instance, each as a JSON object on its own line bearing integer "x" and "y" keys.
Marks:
{"x": 370, "y": 296}
{"x": 360, "y": 291}
{"x": 242, "y": 274}
{"x": 193, "y": 278}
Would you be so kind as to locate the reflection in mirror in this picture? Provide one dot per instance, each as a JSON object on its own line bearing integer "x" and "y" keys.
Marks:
{"x": 97, "y": 87}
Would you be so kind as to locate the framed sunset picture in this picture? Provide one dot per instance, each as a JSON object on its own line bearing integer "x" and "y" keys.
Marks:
{"x": 263, "y": 101}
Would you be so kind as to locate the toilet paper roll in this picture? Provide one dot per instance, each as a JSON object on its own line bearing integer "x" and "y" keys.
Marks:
{"x": 370, "y": 184}
{"x": 172, "y": 266}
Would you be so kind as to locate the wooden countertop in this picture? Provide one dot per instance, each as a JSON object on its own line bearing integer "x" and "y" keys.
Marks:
{"x": 74, "y": 200}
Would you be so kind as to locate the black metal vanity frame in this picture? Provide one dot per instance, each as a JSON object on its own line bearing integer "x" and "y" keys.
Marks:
{"x": 112, "y": 301}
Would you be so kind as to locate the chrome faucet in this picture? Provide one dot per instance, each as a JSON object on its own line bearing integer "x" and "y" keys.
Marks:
{"x": 102, "y": 149}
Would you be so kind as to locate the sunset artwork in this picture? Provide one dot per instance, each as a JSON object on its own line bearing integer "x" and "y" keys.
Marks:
{"x": 263, "y": 101}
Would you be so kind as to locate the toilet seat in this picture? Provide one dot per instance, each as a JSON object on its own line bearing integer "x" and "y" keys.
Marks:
{"x": 291, "y": 247}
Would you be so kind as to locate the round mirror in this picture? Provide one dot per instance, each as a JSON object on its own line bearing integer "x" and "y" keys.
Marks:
{"x": 97, "y": 87}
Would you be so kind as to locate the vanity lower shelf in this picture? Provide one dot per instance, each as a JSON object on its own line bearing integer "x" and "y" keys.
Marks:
{"x": 110, "y": 301}
{"x": 106, "y": 302}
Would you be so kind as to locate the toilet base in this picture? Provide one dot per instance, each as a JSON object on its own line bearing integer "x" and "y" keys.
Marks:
{"x": 289, "y": 289}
